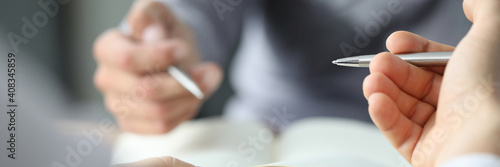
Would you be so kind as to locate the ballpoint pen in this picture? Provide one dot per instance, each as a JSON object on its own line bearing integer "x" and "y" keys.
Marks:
{"x": 185, "y": 81}
{"x": 424, "y": 59}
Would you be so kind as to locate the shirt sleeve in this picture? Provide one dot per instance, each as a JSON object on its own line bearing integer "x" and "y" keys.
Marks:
{"x": 475, "y": 160}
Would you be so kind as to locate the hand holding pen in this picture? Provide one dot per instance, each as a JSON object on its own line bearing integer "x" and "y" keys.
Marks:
{"x": 132, "y": 71}
{"x": 432, "y": 115}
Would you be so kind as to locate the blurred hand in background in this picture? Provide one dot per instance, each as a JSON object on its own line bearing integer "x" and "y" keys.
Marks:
{"x": 132, "y": 76}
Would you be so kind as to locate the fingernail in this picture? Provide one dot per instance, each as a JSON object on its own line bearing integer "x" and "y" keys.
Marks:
{"x": 152, "y": 33}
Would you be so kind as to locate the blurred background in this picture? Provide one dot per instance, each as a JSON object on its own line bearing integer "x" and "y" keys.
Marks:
{"x": 61, "y": 53}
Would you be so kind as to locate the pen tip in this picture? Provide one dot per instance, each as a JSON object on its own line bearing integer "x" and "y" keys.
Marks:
{"x": 334, "y": 62}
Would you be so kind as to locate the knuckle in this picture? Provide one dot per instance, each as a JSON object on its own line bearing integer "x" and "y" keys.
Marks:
{"x": 117, "y": 108}
{"x": 149, "y": 82}
{"x": 99, "y": 48}
{"x": 152, "y": 93}
{"x": 167, "y": 160}
{"x": 164, "y": 127}
{"x": 159, "y": 111}
{"x": 101, "y": 80}
{"x": 154, "y": 89}
{"x": 102, "y": 43}
{"x": 172, "y": 85}
{"x": 163, "y": 55}
{"x": 137, "y": 20}
{"x": 141, "y": 16}
{"x": 125, "y": 58}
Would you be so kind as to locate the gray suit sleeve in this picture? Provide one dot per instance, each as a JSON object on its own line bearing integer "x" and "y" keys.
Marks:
{"x": 216, "y": 25}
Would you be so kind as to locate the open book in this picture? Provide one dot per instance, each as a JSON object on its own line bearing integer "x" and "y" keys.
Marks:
{"x": 312, "y": 142}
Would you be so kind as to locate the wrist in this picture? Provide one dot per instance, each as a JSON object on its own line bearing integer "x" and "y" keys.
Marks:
{"x": 486, "y": 11}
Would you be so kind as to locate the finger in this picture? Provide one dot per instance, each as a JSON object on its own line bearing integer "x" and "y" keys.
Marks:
{"x": 414, "y": 81}
{"x": 143, "y": 122}
{"x": 148, "y": 12}
{"x": 110, "y": 46}
{"x": 188, "y": 115}
{"x": 147, "y": 110}
{"x": 414, "y": 109}
{"x": 477, "y": 54}
{"x": 111, "y": 80}
{"x": 116, "y": 50}
{"x": 163, "y": 87}
{"x": 121, "y": 106}
{"x": 206, "y": 75}
{"x": 157, "y": 86}
{"x": 166, "y": 161}
{"x": 170, "y": 111}
{"x": 407, "y": 42}
{"x": 401, "y": 42}
{"x": 481, "y": 10}
{"x": 401, "y": 132}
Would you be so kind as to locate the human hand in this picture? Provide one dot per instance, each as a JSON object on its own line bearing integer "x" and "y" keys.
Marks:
{"x": 157, "y": 162}
{"x": 430, "y": 117}
{"x": 132, "y": 76}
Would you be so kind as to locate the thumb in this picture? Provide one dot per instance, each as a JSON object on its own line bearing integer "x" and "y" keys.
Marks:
{"x": 208, "y": 76}
{"x": 145, "y": 13}
{"x": 478, "y": 10}
{"x": 477, "y": 53}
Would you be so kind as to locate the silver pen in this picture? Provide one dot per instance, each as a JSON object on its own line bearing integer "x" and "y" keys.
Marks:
{"x": 424, "y": 59}
{"x": 185, "y": 81}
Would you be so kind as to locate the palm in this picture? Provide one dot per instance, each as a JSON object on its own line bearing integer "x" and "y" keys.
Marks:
{"x": 419, "y": 111}
{"x": 428, "y": 118}
{"x": 404, "y": 98}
